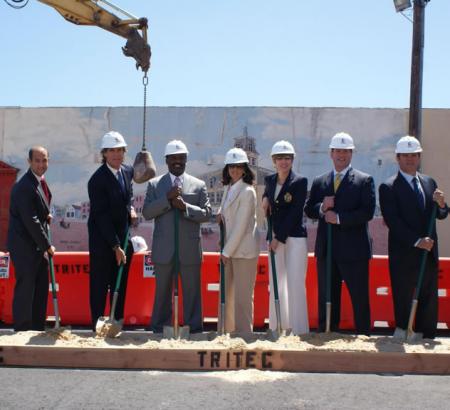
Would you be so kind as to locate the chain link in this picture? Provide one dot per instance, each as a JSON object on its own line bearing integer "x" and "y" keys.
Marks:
{"x": 145, "y": 83}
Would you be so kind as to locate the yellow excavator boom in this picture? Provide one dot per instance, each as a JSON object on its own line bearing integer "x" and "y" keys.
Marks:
{"x": 90, "y": 13}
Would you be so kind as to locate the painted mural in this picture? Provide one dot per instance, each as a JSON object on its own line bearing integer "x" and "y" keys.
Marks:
{"x": 72, "y": 136}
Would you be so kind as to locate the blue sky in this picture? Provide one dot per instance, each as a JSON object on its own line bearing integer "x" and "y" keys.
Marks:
{"x": 314, "y": 53}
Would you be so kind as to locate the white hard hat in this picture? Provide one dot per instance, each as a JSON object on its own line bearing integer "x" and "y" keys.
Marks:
{"x": 113, "y": 139}
{"x": 342, "y": 141}
{"x": 175, "y": 147}
{"x": 236, "y": 156}
{"x": 408, "y": 145}
{"x": 282, "y": 147}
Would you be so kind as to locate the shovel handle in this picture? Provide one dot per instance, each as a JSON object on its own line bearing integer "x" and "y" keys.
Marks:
{"x": 119, "y": 273}
{"x": 425, "y": 253}
{"x": 272, "y": 259}
{"x": 423, "y": 261}
{"x": 222, "y": 267}
{"x": 53, "y": 281}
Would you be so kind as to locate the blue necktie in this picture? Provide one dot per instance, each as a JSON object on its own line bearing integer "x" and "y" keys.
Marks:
{"x": 418, "y": 193}
{"x": 121, "y": 181}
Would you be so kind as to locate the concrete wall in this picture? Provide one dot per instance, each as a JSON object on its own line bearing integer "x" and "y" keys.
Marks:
{"x": 72, "y": 136}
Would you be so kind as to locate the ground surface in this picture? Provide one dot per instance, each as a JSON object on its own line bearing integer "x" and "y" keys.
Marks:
{"x": 146, "y": 340}
{"x": 243, "y": 389}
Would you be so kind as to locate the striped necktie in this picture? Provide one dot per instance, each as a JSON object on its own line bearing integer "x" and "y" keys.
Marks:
{"x": 419, "y": 194}
{"x": 121, "y": 181}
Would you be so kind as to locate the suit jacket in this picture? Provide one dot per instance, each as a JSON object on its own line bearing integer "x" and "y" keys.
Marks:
{"x": 28, "y": 214}
{"x": 354, "y": 202}
{"x": 287, "y": 207}
{"x": 109, "y": 215}
{"x": 406, "y": 221}
{"x": 239, "y": 215}
{"x": 158, "y": 207}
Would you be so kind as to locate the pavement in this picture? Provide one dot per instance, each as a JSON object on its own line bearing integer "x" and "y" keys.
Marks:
{"x": 28, "y": 388}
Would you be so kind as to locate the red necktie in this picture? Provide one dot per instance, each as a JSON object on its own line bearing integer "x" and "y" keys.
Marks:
{"x": 45, "y": 189}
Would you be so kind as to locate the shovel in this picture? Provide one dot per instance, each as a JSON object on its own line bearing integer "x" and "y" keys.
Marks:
{"x": 328, "y": 279}
{"x": 274, "y": 334}
{"x": 410, "y": 334}
{"x": 109, "y": 327}
{"x": 176, "y": 331}
{"x": 57, "y": 327}
{"x": 222, "y": 281}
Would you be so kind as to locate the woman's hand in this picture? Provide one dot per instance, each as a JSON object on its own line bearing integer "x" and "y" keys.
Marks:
{"x": 273, "y": 245}
{"x": 265, "y": 206}
{"x": 224, "y": 259}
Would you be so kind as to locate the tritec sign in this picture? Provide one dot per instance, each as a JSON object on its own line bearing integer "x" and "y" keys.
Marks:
{"x": 235, "y": 359}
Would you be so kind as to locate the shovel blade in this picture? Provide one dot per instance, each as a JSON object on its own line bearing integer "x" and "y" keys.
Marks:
{"x": 102, "y": 326}
{"x": 115, "y": 328}
{"x": 169, "y": 332}
{"x": 274, "y": 335}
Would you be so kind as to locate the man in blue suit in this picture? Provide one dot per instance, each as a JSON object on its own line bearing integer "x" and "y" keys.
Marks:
{"x": 29, "y": 242}
{"x": 111, "y": 213}
{"x": 406, "y": 201}
{"x": 344, "y": 198}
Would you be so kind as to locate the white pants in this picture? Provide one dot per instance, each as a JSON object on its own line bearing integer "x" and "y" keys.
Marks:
{"x": 291, "y": 261}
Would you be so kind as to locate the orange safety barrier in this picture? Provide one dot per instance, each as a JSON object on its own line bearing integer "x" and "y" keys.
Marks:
{"x": 72, "y": 277}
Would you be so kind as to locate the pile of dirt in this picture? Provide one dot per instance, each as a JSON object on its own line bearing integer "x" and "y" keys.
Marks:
{"x": 144, "y": 340}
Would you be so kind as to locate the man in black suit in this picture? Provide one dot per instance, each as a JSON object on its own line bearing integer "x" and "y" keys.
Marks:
{"x": 344, "y": 198}
{"x": 111, "y": 213}
{"x": 406, "y": 201}
{"x": 29, "y": 243}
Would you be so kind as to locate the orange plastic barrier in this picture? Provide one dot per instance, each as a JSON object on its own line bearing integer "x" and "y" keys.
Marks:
{"x": 72, "y": 277}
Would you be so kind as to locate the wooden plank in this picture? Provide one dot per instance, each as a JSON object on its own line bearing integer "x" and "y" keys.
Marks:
{"x": 225, "y": 359}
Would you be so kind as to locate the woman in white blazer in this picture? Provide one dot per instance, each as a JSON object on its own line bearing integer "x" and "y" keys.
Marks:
{"x": 240, "y": 254}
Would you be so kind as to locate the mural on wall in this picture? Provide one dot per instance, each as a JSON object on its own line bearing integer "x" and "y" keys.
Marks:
{"x": 72, "y": 136}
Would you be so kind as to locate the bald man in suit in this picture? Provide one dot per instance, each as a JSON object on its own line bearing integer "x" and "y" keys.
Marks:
{"x": 29, "y": 243}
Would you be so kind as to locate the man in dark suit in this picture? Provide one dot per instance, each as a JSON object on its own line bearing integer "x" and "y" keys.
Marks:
{"x": 111, "y": 213}
{"x": 29, "y": 243}
{"x": 406, "y": 201}
{"x": 177, "y": 190}
{"x": 344, "y": 198}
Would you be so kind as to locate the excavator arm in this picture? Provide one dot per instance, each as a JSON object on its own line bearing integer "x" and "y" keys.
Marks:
{"x": 90, "y": 13}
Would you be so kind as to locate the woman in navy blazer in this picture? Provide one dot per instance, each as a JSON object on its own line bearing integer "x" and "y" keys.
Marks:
{"x": 284, "y": 198}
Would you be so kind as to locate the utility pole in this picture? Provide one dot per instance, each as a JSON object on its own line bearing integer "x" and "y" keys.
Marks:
{"x": 415, "y": 98}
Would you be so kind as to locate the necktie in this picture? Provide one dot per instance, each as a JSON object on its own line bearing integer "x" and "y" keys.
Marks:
{"x": 177, "y": 182}
{"x": 418, "y": 193}
{"x": 337, "y": 181}
{"x": 45, "y": 189}
{"x": 121, "y": 181}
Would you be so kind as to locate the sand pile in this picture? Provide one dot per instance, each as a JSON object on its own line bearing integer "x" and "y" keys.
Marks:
{"x": 145, "y": 340}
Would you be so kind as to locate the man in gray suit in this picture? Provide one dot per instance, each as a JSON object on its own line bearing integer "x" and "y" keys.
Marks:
{"x": 177, "y": 190}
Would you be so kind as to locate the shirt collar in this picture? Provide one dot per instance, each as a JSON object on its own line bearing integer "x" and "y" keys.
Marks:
{"x": 180, "y": 177}
{"x": 113, "y": 170}
{"x": 37, "y": 176}
{"x": 343, "y": 172}
{"x": 408, "y": 177}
